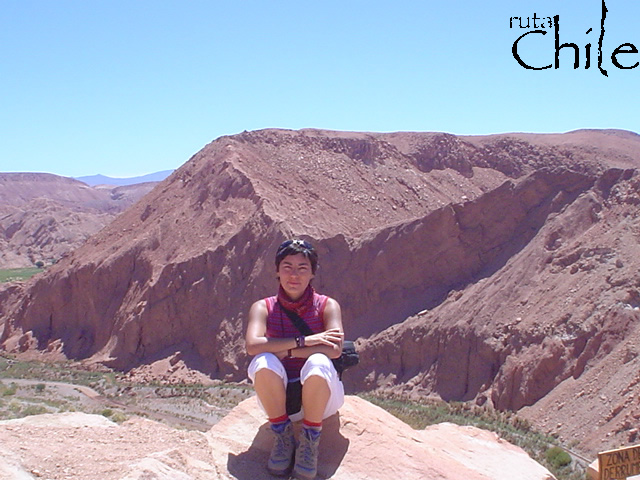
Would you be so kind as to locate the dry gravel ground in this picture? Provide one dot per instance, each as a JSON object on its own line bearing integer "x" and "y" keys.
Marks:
{"x": 196, "y": 408}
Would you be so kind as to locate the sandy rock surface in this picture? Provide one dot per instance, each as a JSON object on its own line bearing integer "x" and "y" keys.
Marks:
{"x": 361, "y": 442}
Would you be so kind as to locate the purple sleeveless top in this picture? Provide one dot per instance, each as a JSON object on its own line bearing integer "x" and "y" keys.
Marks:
{"x": 279, "y": 325}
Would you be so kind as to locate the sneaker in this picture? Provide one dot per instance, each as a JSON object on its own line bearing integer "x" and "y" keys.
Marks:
{"x": 306, "y": 466}
{"x": 282, "y": 454}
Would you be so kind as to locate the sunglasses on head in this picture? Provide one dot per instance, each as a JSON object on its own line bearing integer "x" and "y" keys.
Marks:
{"x": 295, "y": 243}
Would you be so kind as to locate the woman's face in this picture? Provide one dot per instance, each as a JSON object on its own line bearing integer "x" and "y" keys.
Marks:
{"x": 295, "y": 274}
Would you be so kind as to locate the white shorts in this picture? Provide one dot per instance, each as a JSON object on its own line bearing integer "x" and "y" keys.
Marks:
{"x": 317, "y": 364}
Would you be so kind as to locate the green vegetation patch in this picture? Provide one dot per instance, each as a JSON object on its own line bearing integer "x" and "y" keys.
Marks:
{"x": 18, "y": 274}
{"x": 557, "y": 457}
{"x": 8, "y": 390}
{"x": 115, "y": 415}
{"x": 58, "y": 372}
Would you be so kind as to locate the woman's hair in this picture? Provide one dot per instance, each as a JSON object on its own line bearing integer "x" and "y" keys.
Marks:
{"x": 293, "y": 247}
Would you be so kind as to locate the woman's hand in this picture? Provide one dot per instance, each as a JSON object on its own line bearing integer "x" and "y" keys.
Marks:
{"x": 331, "y": 338}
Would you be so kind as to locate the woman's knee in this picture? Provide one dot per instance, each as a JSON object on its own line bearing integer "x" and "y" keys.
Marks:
{"x": 319, "y": 359}
{"x": 320, "y": 365}
{"x": 266, "y": 361}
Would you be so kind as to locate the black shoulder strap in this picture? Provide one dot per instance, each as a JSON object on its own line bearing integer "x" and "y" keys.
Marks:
{"x": 297, "y": 320}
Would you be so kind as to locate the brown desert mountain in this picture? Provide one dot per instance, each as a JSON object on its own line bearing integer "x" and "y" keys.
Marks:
{"x": 44, "y": 216}
{"x": 499, "y": 269}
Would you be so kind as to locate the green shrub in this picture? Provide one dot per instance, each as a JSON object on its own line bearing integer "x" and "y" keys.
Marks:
{"x": 114, "y": 415}
{"x": 7, "y": 391}
{"x": 33, "y": 410}
{"x": 118, "y": 417}
{"x": 557, "y": 457}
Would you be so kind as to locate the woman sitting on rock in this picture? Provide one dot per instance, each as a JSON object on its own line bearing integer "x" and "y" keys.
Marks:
{"x": 283, "y": 355}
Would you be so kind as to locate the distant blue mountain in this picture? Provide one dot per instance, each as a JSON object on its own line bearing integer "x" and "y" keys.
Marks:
{"x": 93, "y": 180}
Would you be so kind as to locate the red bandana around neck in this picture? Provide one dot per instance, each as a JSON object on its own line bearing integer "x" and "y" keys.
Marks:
{"x": 299, "y": 306}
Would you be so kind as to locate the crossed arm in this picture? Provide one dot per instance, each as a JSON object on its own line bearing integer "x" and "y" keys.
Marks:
{"x": 328, "y": 342}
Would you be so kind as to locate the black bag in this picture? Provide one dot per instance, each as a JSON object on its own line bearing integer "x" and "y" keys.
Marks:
{"x": 294, "y": 397}
{"x": 349, "y": 356}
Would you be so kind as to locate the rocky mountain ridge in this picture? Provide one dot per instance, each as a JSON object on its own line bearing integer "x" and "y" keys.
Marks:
{"x": 497, "y": 269}
{"x": 94, "y": 180}
{"x": 44, "y": 216}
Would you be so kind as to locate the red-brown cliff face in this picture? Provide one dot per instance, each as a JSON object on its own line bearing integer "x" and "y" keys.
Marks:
{"x": 550, "y": 329}
{"x": 494, "y": 268}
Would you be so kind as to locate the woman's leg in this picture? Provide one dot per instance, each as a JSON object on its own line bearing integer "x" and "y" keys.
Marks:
{"x": 322, "y": 390}
{"x": 269, "y": 379}
{"x": 315, "y": 395}
{"x": 271, "y": 392}
{"x": 322, "y": 395}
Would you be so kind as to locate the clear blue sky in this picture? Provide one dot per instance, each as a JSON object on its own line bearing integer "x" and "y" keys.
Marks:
{"x": 125, "y": 88}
